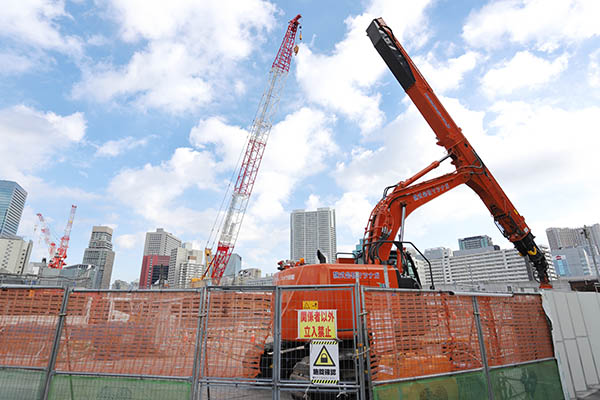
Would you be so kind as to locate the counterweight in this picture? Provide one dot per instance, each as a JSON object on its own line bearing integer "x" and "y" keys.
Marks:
{"x": 255, "y": 149}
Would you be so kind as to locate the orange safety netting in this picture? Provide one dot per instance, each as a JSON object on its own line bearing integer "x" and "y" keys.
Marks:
{"x": 28, "y": 320}
{"x": 237, "y": 327}
{"x": 149, "y": 333}
{"x": 514, "y": 329}
{"x": 420, "y": 333}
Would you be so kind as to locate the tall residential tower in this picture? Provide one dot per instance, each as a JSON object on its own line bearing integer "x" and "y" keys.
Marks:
{"x": 312, "y": 230}
{"x": 12, "y": 202}
{"x": 100, "y": 254}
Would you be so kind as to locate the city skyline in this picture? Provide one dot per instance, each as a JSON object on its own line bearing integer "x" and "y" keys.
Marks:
{"x": 138, "y": 115}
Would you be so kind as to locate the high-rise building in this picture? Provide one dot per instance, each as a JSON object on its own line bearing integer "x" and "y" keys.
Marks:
{"x": 234, "y": 265}
{"x": 100, "y": 254}
{"x": 160, "y": 243}
{"x": 475, "y": 242}
{"x": 559, "y": 238}
{"x": 155, "y": 271}
{"x": 12, "y": 202}
{"x": 14, "y": 254}
{"x": 184, "y": 264}
{"x": 155, "y": 262}
{"x": 312, "y": 230}
{"x": 573, "y": 261}
{"x": 491, "y": 264}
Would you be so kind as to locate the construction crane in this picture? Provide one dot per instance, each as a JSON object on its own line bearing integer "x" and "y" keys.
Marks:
{"x": 253, "y": 154}
{"x": 57, "y": 255}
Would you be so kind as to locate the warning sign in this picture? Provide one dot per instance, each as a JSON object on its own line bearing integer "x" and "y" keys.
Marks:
{"x": 324, "y": 362}
{"x": 324, "y": 359}
{"x": 317, "y": 324}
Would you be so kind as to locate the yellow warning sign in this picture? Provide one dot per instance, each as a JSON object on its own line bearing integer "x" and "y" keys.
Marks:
{"x": 324, "y": 359}
{"x": 310, "y": 305}
{"x": 317, "y": 324}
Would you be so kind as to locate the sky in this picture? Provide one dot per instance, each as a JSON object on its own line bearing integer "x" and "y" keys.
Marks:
{"x": 136, "y": 111}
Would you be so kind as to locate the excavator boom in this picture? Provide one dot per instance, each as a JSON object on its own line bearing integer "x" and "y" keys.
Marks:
{"x": 388, "y": 216}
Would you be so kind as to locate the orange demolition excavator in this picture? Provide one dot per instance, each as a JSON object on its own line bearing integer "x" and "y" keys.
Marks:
{"x": 399, "y": 200}
{"x": 384, "y": 262}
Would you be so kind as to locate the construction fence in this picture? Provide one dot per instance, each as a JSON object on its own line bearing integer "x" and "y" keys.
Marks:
{"x": 246, "y": 342}
{"x": 576, "y": 332}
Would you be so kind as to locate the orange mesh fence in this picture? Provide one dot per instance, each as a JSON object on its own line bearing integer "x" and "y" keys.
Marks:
{"x": 236, "y": 329}
{"x": 515, "y": 329}
{"x": 149, "y": 333}
{"x": 420, "y": 333}
{"x": 28, "y": 320}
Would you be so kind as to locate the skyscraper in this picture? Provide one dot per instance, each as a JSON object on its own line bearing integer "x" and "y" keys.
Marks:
{"x": 100, "y": 254}
{"x": 475, "y": 242}
{"x": 12, "y": 202}
{"x": 559, "y": 238}
{"x": 185, "y": 263}
{"x": 14, "y": 254}
{"x": 155, "y": 261}
{"x": 312, "y": 230}
{"x": 160, "y": 243}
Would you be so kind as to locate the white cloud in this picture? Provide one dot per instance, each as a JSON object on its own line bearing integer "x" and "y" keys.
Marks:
{"x": 151, "y": 190}
{"x": 225, "y": 141}
{"x": 523, "y": 71}
{"x": 35, "y": 23}
{"x": 342, "y": 80}
{"x": 546, "y": 24}
{"x": 298, "y": 148}
{"x": 192, "y": 49}
{"x": 129, "y": 241}
{"x": 14, "y": 64}
{"x": 113, "y": 148}
{"x": 594, "y": 69}
{"x": 313, "y": 202}
{"x": 32, "y": 138}
{"x": 449, "y": 74}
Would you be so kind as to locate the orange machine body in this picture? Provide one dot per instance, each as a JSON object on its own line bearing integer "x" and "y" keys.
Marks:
{"x": 327, "y": 299}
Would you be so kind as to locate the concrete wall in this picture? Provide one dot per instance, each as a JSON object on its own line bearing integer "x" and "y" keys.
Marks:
{"x": 575, "y": 320}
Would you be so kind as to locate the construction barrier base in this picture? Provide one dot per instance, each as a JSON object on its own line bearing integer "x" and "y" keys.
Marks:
{"x": 113, "y": 388}
{"x": 537, "y": 381}
{"x": 18, "y": 384}
{"x": 465, "y": 386}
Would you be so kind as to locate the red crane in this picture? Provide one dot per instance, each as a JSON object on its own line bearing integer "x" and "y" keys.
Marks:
{"x": 255, "y": 148}
{"x": 58, "y": 255}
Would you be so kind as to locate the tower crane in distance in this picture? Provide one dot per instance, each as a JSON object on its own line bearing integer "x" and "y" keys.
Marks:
{"x": 58, "y": 255}
{"x": 255, "y": 147}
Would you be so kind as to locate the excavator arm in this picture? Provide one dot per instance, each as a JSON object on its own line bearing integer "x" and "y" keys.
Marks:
{"x": 401, "y": 199}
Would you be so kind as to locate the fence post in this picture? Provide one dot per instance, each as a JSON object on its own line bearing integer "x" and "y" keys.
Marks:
{"x": 367, "y": 348}
{"x": 484, "y": 360}
{"x": 55, "y": 345}
{"x": 277, "y": 343}
{"x": 197, "y": 350}
{"x": 360, "y": 348}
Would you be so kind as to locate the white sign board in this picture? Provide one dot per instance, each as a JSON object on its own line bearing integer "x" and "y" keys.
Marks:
{"x": 324, "y": 362}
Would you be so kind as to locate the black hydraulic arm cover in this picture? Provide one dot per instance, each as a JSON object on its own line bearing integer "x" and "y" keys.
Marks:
{"x": 391, "y": 55}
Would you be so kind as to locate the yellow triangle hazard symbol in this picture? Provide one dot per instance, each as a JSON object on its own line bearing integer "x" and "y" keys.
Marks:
{"x": 324, "y": 359}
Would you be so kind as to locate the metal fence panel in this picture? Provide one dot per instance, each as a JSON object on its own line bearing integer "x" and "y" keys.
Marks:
{"x": 294, "y": 351}
{"x": 237, "y": 326}
{"x": 130, "y": 333}
{"x": 515, "y": 329}
{"x": 28, "y": 321}
{"x": 419, "y": 333}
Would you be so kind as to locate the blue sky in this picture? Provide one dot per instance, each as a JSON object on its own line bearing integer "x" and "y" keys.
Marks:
{"x": 136, "y": 111}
